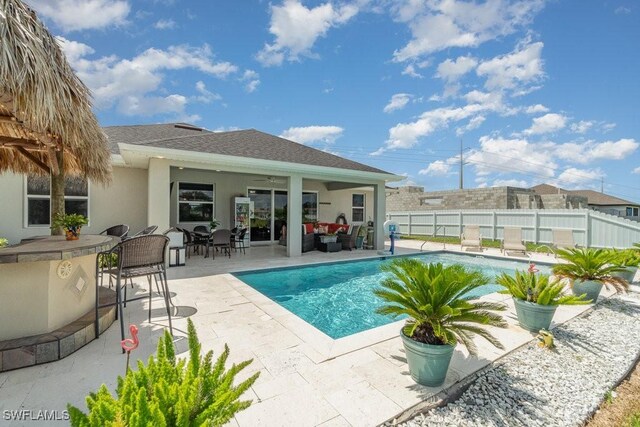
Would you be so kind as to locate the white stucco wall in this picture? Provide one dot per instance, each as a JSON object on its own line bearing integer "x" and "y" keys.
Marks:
{"x": 124, "y": 201}
{"x": 230, "y": 185}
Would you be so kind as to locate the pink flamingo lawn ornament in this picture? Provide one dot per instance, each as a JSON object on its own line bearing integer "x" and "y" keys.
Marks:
{"x": 532, "y": 268}
{"x": 130, "y": 344}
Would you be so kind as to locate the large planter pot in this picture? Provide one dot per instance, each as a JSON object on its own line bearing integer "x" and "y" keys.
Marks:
{"x": 628, "y": 274}
{"x": 532, "y": 316}
{"x": 590, "y": 287}
{"x": 428, "y": 364}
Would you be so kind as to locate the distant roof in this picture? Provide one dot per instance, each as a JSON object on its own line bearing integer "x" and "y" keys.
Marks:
{"x": 593, "y": 197}
{"x": 249, "y": 143}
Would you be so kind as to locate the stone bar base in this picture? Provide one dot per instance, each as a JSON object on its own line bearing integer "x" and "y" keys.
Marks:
{"x": 38, "y": 349}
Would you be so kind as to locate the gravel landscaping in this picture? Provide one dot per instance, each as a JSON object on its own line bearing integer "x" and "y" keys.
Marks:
{"x": 563, "y": 387}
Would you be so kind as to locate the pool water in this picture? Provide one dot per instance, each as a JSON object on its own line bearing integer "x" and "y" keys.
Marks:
{"x": 338, "y": 298}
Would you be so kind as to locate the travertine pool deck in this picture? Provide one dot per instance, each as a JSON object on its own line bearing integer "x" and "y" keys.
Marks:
{"x": 306, "y": 378}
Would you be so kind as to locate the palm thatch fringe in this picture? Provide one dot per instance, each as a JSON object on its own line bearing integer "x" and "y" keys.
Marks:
{"x": 44, "y": 107}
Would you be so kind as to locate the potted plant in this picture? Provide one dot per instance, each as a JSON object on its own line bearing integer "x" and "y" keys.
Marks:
{"x": 329, "y": 238}
{"x": 629, "y": 260}
{"x": 536, "y": 298}
{"x": 71, "y": 223}
{"x": 214, "y": 224}
{"x": 441, "y": 313}
{"x": 588, "y": 269}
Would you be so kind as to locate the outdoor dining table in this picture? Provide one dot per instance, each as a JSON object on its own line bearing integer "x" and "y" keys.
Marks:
{"x": 208, "y": 236}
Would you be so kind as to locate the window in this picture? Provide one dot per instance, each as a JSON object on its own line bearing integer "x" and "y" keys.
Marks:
{"x": 76, "y": 198}
{"x": 309, "y": 207}
{"x": 357, "y": 208}
{"x": 195, "y": 202}
{"x": 631, "y": 211}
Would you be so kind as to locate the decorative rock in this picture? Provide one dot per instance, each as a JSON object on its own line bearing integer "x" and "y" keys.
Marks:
{"x": 537, "y": 387}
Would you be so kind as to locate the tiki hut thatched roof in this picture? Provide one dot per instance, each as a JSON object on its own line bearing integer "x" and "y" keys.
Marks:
{"x": 44, "y": 107}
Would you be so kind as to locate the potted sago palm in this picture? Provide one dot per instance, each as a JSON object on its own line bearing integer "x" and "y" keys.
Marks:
{"x": 441, "y": 313}
{"x": 629, "y": 260}
{"x": 536, "y": 297}
{"x": 588, "y": 269}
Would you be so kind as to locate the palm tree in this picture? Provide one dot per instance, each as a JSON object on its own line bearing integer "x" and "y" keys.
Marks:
{"x": 437, "y": 300}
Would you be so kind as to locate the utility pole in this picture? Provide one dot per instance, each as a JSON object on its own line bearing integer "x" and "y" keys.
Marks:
{"x": 602, "y": 185}
{"x": 461, "y": 167}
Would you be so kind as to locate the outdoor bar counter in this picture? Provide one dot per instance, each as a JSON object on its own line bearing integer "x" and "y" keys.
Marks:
{"x": 47, "y": 283}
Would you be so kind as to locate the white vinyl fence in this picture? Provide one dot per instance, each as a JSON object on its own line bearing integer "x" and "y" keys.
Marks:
{"x": 590, "y": 228}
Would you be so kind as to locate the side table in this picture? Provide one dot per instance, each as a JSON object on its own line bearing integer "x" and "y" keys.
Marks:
{"x": 330, "y": 247}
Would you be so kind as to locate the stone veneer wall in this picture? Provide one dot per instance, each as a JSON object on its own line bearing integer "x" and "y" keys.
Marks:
{"x": 415, "y": 199}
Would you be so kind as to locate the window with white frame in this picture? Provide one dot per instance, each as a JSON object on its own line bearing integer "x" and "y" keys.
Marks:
{"x": 357, "y": 208}
{"x": 195, "y": 202}
{"x": 38, "y": 200}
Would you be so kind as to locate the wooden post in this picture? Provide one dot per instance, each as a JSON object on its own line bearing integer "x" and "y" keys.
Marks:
{"x": 57, "y": 191}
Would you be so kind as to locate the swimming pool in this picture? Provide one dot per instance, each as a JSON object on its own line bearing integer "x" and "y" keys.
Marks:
{"x": 337, "y": 298}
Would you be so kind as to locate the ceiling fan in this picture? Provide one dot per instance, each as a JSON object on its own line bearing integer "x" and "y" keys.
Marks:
{"x": 271, "y": 180}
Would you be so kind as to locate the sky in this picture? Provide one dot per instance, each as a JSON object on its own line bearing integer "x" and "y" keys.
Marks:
{"x": 535, "y": 91}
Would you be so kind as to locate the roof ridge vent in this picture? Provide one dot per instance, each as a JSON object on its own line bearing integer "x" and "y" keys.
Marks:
{"x": 187, "y": 126}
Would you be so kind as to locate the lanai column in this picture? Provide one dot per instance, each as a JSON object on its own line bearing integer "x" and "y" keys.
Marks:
{"x": 379, "y": 212}
{"x": 294, "y": 216}
{"x": 158, "y": 193}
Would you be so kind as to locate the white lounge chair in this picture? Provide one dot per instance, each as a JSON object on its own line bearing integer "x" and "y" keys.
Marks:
{"x": 471, "y": 237}
{"x": 512, "y": 240}
{"x": 563, "y": 238}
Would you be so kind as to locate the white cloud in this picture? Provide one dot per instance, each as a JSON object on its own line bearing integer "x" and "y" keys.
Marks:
{"x": 438, "y": 25}
{"x": 582, "y": 126}
{"x": 440, "y": 167}
{"x": 410, "y": 70}
{"x": 76, "y": 15}
{"x": 251, "y": 79}
{"x": 311, "y": 134}
{"x": 609, "y": 150}
{"x": 548, "y": 123}
{"x": 516, "y": 71}
{"x": 474, "y": 123}
{"x": 130, "y": 84}
{"x": 206, "y": 96}
{"x": 397, "y": 102}
{"x": 510, "y": 183}
{"x": 536, "y": 109}
{"x": 407, "y": 135}
{"x": 575, "y": 177}
{"x": 297, "y": 28}
{"x": 622, "y": 10}
{"x": 636, "y": 170}
{"x": 500, "y": 155}
{"x": 165, "y": 24}
{"x": 451, "y": 71}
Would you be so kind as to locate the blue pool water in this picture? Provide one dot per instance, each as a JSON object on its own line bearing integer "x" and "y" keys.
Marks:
{"x": 337, "y": 298}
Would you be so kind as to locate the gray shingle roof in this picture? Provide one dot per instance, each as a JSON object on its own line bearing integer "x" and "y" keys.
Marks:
{"x": 593, "y": 197}
{"x": 137, "y": 134}
{"x": 241, "y": 143}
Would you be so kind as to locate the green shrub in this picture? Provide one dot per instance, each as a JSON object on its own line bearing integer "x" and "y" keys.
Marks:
{"x": 170, "y": 392}
{"x": 3, "y": 242}
{"x": 538, "y": 289}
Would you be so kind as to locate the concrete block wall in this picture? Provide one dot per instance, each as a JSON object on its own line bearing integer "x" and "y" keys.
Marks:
{"x": 414, "y": 199}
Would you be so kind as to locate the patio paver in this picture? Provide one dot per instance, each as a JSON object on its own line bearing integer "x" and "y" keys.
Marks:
{"x": 306, "y": 377}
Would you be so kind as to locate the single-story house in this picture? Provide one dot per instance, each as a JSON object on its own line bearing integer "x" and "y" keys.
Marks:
{"x": 182, "y": 175}
{"x": 596, "y": 200}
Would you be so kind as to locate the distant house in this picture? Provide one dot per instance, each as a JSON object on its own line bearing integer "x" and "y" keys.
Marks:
{"x": 595, "y": 200}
